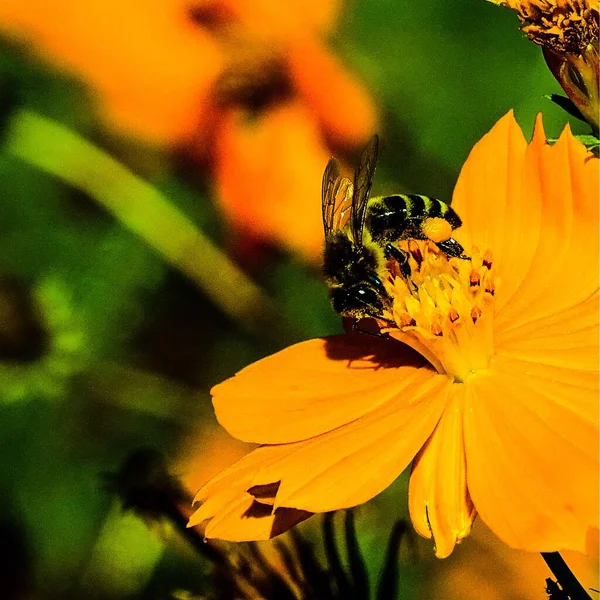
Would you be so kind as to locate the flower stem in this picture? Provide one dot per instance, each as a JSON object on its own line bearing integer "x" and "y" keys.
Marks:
{"x": 142, "y": 209}
{"x": 569, "y": 583}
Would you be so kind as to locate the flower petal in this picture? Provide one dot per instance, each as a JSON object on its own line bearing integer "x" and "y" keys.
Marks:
{"x": 438, "y": 499}
{"x": 152, "y": 68}
{"x": 343, "y": 106}
{"x": 269, "y": 172}
{"x": 315, "y": 386}
{"x": 352, "y": 464}
{"x": 283, "y": 21}
{"x": 338, "y": 469}
{"x": 564, "y": 270}
{"x": 490, "y": 199}
{"x": 235, "y": 515}
{"x": 568, "y": 339}
{"x": 258, "y": 521}
{"x": 223, "y": 489}
{"x": 535, "y": 207}
{"x": 487, "y": 569}
{"x": 531, "y": 436}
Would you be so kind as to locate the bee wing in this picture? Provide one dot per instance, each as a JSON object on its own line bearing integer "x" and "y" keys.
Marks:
{"x": 363, "y": 179}
{"x": 336, "y": 197}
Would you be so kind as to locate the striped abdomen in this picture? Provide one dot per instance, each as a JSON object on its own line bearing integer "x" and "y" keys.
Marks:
{"x": 400, "y": 217}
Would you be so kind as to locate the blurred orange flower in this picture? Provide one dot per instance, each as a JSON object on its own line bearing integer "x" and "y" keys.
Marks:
{"x": 496, "y": 399}
{"x": 267, "y": 175}
{"x": 249, "y": 87}
{"x": 152, "y": 68}
{"x": 284, "y": 104}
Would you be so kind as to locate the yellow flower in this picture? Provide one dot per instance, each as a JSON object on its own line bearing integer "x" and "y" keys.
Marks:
{"x": 496, "y": 401}
{"x": 567, "y": 31}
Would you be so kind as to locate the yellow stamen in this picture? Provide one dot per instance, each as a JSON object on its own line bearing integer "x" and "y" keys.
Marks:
{"x": 444, "y": 310}
{"x": 487, "y": 259}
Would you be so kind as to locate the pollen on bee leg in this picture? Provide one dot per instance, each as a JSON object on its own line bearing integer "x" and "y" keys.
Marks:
{"x": 436, "y": 229}
{"x": 393, "y": 269}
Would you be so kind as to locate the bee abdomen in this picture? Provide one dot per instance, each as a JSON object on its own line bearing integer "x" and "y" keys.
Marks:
{"x": 452, "y": 217}
{"x": 397, "y": 217}
{"x": 386, "y": 216}
{"x": 424, "y": 207}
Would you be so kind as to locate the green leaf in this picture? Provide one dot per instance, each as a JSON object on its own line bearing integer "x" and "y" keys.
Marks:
{"x": 567, "y": 105}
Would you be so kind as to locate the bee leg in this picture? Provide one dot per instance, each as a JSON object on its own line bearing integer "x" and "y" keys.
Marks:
{"x": 452, "y": 248}
{"x": 400, "y": 257}
{"x": 355, "y": 327}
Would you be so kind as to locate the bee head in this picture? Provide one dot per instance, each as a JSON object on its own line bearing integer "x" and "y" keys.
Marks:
{"x": 360, "y": 300}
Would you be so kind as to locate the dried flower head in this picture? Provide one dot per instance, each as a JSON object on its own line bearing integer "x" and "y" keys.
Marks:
{"x": 560, "y": 25}
{"x": 567, "y": 31}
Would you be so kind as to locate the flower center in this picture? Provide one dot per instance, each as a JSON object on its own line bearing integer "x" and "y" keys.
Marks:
{"x": 444, "y": 309}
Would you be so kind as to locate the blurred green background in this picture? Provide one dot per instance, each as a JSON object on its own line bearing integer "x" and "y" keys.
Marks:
{"x": 111, "y": 335}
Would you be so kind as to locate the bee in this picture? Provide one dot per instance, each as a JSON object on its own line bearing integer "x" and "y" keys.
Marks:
{"x": 362, "y": 233}
{"x": 353, "y": 264}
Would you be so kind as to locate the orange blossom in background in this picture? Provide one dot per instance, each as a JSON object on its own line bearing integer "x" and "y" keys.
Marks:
{"x": 249, "y": 87}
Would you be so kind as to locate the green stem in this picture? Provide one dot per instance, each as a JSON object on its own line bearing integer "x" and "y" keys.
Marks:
{"x": 569, "y": 583}
{"x": 55, "y": 149}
